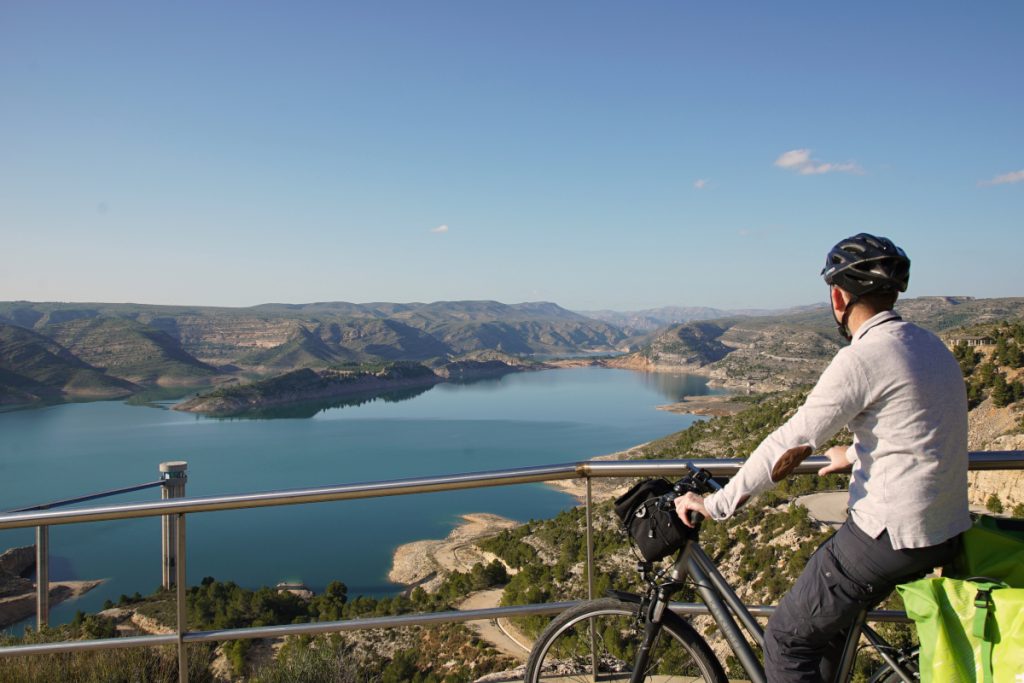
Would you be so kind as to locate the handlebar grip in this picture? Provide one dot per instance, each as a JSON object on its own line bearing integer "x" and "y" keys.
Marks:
{"x": 694, "y": 517}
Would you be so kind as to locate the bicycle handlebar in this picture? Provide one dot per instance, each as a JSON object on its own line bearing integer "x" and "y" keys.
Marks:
{"x": 699, "y": 481}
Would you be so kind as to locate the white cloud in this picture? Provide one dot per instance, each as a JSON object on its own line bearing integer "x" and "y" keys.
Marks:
{"x": 441, "y": 229}
{"x": 800, "y": 161}
{"x": 794, "y": 159}
{"x": 1004, "y": 179}
{"x": 700, "y": 183}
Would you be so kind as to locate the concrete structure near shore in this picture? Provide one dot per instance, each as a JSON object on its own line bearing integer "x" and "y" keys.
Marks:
{"x": 174, "y": 474}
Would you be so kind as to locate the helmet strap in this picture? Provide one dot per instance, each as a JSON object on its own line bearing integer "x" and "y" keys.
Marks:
{"x": 844, "y": 330}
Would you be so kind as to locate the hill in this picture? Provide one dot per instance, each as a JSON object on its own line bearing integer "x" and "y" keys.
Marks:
{"x": 776, "y": 352}
{"x": 192, "y": 345}
{"x": 129, "y": 350}
{"x": 34, "y": 368}
{"x": 307, "y": 388}
{"x": 303, "y": 349}
{"x": 187, "y": 345}
{"x": 652, "y": 319}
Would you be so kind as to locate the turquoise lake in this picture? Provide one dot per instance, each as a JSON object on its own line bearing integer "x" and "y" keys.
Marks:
{"x": 532, "y": 418}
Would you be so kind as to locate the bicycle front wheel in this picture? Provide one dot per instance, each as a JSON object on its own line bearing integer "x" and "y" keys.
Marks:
{"x": 607, "y": 633}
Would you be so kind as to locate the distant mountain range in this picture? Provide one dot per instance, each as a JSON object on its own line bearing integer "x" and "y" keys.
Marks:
{"x": 50, "y": 351}
{"x": 61, "y": 351}
{"x": 655, "y": 318}
{"x": 782, "y": 350}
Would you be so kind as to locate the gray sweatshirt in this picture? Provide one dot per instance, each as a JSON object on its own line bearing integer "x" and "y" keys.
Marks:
{"x": 902, "y": 394}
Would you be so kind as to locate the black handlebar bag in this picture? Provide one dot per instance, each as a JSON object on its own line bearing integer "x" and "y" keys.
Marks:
{"x": 657, "y": 533}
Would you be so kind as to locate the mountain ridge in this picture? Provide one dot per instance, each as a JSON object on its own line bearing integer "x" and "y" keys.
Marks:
{"x": 156, "y": 345}
{"x": 143, "y": 345}
{"x": 778, "y": 352}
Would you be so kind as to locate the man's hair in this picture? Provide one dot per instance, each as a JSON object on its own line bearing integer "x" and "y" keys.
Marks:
{"x": 879, "y": 301}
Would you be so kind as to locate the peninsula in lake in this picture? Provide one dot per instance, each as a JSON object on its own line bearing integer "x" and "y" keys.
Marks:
{"x": 307, "y": 385}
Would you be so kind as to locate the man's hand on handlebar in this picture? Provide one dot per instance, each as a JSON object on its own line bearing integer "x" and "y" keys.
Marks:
{"x": 687, "y": 503}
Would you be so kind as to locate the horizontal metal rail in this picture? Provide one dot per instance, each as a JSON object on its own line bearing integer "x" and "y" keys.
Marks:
{"x": 1000, "y": 460}
{"x": 404, "y": 620}
{"x": 991, "y": 460}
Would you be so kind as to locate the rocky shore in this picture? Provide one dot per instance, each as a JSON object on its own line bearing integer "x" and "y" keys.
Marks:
{"x": 425, "y": 563}
{"x": 713, "y": 406}
{"x": 18, "y": 594}
{"x": 15, "y": 608}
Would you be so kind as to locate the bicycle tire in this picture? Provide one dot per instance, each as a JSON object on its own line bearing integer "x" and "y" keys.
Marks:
{"x": 563, "y": 651}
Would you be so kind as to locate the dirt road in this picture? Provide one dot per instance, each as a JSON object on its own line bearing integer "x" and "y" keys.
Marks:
{"x": 828, "y": 507}
{"x": 498, "y": 632}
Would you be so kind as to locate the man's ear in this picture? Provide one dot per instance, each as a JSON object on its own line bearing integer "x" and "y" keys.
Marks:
{"x": 838, "y": 300}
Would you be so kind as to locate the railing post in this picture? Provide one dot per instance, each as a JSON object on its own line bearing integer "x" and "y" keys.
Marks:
{"x": 174, "y": 475}
{"x": 590, "y": 542}
{"x": 590, "y": 576}
{"x": 42, "y": 577}
{"x": 179, "y": 570}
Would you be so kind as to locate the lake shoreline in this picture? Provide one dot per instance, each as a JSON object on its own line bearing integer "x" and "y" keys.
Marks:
{"x": 417, "y": 564}
{"x": 527, "y": 419}
{"x": 17, "y": 608}
{"x": 308, "y": 385}
{"x": 425, "y": 563}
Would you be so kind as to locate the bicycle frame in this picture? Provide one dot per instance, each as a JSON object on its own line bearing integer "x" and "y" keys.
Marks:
{"x": 726, "y": 607}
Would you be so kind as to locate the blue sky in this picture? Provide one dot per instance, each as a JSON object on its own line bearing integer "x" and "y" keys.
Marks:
{"x": 596, "y": 154}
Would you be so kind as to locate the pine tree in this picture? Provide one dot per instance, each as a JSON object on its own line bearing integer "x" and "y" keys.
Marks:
{"x": 1002, "y": 392}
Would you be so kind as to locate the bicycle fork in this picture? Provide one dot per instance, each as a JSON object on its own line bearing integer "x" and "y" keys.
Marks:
{"x": 652, "y": 627}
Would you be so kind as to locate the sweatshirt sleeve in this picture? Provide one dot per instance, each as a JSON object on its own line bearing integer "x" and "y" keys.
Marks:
{"x": 840, "y": 394}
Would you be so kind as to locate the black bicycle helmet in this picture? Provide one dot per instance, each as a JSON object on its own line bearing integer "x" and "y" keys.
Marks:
{"x": 864, "y": 263}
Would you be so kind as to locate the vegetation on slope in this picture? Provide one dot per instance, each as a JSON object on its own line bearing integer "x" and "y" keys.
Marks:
{"x": 307, "y": 390}
{"x": 778, "y": 352}
{"x": 417, "y": 653}
{"x": 309, "y": 385}
{"x": 34, "y": 368}
{"x": 149, "y": 664}
{"x": 303, "y": 350}
{"x": 130, "y": 350}
{"x": 389, "y": 331}
{"x": 995, "y": 372}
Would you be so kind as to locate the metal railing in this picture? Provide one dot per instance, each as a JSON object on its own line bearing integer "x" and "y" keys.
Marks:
{"x": 43, "y": 542}
{"x": 178, "y": 508}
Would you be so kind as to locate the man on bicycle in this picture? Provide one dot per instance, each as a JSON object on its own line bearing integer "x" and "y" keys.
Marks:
{"x": 900, "y": 391}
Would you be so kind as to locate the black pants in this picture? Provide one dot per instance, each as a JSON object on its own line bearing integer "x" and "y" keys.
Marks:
{"x": 849, "y": 572}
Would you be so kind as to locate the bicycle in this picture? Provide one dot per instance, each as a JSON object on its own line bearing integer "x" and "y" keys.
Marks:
{"x": 623, "y": 637}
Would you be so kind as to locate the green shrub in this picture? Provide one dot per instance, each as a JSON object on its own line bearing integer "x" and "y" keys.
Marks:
{"x": 994, "y": 504}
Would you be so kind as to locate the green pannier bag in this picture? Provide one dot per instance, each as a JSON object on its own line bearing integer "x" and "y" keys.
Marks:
{"x": 971, "y": 621}
{"x": 970, "y": 631}
{"x": 993, "y": 548}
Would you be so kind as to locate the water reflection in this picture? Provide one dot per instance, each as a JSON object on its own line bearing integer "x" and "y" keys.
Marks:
{"x": 308, "y": 409}
{"x": 674, "y": 387}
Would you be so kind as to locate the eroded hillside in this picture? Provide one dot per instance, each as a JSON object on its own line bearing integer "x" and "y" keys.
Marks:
{"x": 775, "y": 353}
{"x": 106, "y": 350}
